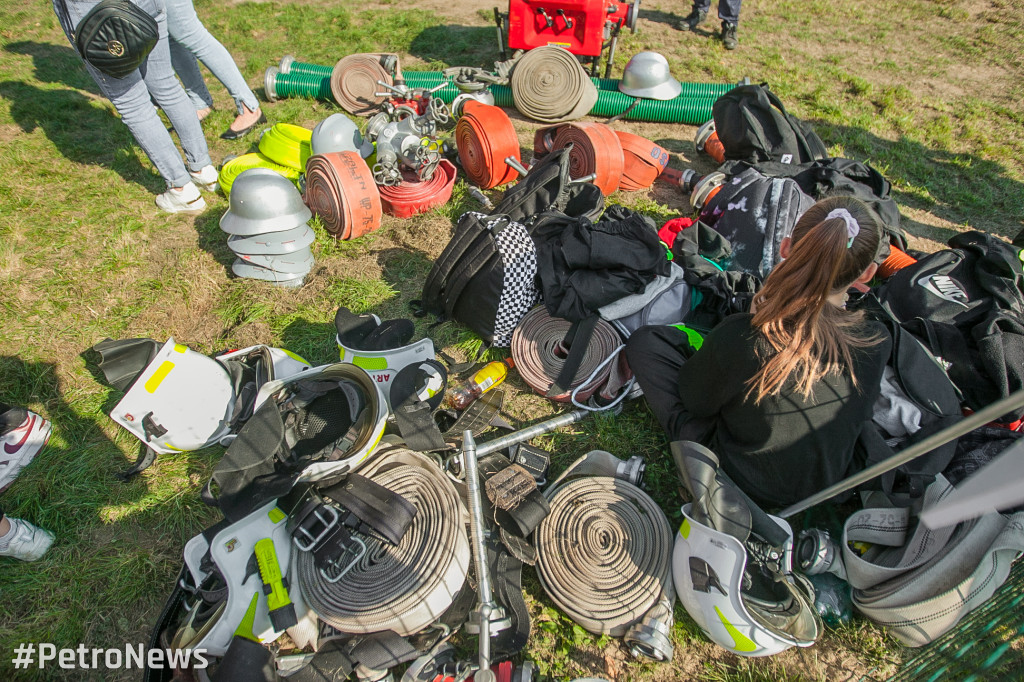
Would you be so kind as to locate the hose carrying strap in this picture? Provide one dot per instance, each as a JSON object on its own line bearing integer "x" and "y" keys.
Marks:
{"x": 555, "y": 356}
{"x": 919, "y": 582}
{"x": 604, "y": 553}
{"x": 408, "y": 586}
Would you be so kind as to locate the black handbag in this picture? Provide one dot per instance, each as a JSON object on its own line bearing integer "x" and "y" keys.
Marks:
{"x": 116, "y": 36}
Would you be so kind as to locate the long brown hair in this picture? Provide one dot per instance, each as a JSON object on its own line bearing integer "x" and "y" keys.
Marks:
{"x": 807, "y": 336}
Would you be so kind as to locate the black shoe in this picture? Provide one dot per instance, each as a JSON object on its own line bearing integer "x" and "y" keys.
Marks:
{"x": 692, "y": 20}
{"x": 230, "y": 134}
{"x": 729, "y": 40}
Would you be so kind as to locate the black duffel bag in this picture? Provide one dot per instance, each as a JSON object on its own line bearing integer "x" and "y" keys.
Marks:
{"x": 116, "y": 36}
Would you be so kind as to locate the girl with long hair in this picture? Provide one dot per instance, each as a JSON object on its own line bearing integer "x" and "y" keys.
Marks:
{"x": 780, "y": 393}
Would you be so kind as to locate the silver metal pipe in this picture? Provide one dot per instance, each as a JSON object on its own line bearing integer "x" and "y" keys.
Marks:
{"x": 1010, "y": 403}
{"x": 526, "y": 434}
{"x": 516, "y": 166}
{"x": 476, "y": 525}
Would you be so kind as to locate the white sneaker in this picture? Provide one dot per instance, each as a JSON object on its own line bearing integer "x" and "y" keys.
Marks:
{"x": 206, "y": 178}
{"x": 27, "y": 542}
{"x": 21, "y": 444}
{"x": 183, "y": 200}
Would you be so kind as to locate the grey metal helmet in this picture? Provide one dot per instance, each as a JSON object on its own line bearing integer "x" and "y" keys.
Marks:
{"x": 647, "y": 75}
{"x": 273, "y": 243}
{"x": 263, "y": 201}
{"x": 337, "y": 133}
{"x": 298, "y": 263}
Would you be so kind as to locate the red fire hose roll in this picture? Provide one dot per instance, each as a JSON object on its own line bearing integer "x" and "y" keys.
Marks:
{"x": 413, "y": 195}
{"x": 485, "y": 138}
{"x": 340, "y": 189}
{"x": 644, "y": 161}
{"x": 595, "y": 150}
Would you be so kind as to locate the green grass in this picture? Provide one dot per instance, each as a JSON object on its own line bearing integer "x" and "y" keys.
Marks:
{"x": 927, "y": 91}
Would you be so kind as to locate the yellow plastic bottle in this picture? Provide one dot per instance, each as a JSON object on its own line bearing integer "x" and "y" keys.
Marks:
{"x": 489, "y": 376}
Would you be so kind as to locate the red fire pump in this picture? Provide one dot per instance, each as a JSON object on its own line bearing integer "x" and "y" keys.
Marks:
{"x": 584, "y": 27}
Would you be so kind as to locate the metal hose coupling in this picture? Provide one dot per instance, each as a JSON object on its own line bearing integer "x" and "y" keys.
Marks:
{"x": 602, "y": 463}
{"x": 817, "y": 552}
{"x": 651, "y": 636}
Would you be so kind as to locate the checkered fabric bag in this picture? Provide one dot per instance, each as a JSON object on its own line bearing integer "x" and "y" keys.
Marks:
{"x": 485, "y": 278}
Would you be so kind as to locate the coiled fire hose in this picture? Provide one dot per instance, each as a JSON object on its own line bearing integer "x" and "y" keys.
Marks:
{"x": 604, "y": 556}
{"x": 236, "y": 166}
{"x": 354, "y": 81}
{"x": 412, "y": 195}
{"x": 287, "y": 145}
{"x": 403, "y": 587}
{"x": 486, "y": 137}
{"x": 340, "y": 189}
{"x": 550, "y": 85}
{"x": 596, "y": 151}
{"x": 539, "y": 353}
{"x": 643, "y": 161}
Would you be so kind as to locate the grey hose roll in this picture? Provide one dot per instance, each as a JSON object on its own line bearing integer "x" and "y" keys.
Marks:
{"x": 405, "y": 587}
{"x": 604, "y": 553}
{"x": 550, "y": 85}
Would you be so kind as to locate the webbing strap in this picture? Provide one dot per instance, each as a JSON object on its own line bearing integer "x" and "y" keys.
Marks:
{"x": 577, "y": 340}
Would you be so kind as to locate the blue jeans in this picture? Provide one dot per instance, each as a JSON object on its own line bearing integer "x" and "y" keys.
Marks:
{"x": 131, "y": 97}
{"x": 728, "y": 10}
{"x": 191, "y": 41}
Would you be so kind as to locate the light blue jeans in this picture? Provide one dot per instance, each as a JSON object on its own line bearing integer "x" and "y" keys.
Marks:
{"x": 190, "y": 41}
{"x": 131, "y": 97}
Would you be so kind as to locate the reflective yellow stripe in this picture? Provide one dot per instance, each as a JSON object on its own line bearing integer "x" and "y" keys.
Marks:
{"x": 742, "y": 643}
{"x": 341, "y": 353}
{"x": 684, "y": 529}
{"x": 276, "y": 515}
{"x": 158, "y": 377}
{"x": 178, "y": 348}
{"x": 293, "y": 356}
{"x": 370, "y": 363}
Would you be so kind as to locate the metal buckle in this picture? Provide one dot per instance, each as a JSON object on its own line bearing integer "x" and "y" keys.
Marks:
{"x": 335, "y": 563}
{"x": 315, "y": 527}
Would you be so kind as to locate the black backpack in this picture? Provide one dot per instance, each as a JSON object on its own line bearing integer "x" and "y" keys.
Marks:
{"x": 755, "y": 213}
{"x": 753, "y": 126}
{"x": 486, "y": 277}
{"x": 966, "y": 304}
{"x": 837, "y": 176}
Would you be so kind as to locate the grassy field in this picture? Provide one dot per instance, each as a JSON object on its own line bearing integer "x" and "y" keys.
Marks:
{"x": 927, "y": 91}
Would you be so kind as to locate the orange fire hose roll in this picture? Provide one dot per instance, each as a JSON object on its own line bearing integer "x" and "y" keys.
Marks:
{"x": 340, "y": 189}
{"x": 643, "y": 160}
{"x": 896, "y": 260}
{"x": 485, "y": 138}
{"x": 595, "y": 150}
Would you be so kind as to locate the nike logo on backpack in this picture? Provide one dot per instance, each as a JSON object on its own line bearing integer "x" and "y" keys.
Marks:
{"x": 9, "y": 449}
{"x": 945, "y": 287}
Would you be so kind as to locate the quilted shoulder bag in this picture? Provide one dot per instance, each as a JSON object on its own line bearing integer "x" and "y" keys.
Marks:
{"x": 116, "y": 36}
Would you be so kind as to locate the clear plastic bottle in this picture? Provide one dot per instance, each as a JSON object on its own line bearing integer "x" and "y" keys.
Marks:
{"x": 486, "y": 378}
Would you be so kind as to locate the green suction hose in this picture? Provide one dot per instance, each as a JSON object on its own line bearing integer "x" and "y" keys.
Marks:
{"x": 289, "y": 66}
{"x": 692, "y": 106}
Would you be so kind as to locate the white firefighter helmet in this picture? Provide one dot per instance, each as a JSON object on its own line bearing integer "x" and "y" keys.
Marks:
{"x": 211, "y": 626}
{"x": 361, "y": 414}
{"x": 708, "y": 569}
{"x": 183, "y": 400}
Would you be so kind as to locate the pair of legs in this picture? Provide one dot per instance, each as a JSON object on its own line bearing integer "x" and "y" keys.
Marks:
{"x": 131, "y": 96}
{"x": 728, "y": 12}
{"x": 190, "y": 43}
